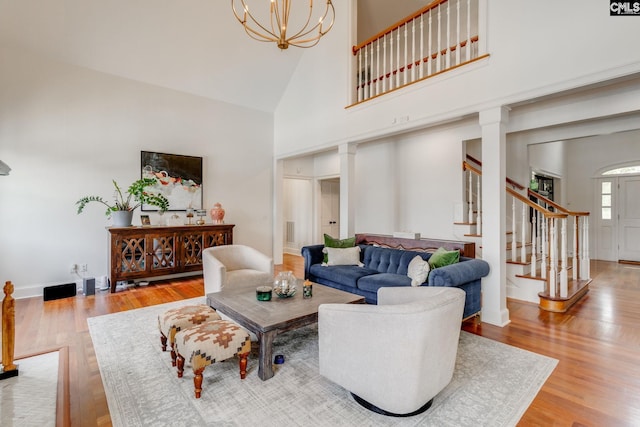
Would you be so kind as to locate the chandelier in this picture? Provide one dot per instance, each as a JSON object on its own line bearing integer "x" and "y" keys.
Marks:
{"x": 278, "y": 30}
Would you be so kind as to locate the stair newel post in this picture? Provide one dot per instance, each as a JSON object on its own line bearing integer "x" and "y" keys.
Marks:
{"x": 478, "y": 208}
{"x": 514, "y": 231}
{"x": 523, "y": 248}
{"x": 564, "y": 281}
{"x": 543, "y": 246}
{"x": 470, "y": 197}
{"x": 534, "y": 238}
{"x": 553, "y": 257}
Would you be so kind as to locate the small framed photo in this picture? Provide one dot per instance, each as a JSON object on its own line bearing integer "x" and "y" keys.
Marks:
{"x": 144, "y": 219}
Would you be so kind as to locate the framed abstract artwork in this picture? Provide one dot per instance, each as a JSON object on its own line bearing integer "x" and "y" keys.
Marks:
{"x": 179, "y": 179}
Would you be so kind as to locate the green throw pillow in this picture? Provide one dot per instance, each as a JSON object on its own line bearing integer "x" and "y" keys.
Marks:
{"x": 443, "y": 257}
{"x": 330, "y": 242}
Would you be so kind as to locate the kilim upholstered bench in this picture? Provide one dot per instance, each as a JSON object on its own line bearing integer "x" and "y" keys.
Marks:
{"x": 177, "y": 319}
{"x": 211, "y": 342}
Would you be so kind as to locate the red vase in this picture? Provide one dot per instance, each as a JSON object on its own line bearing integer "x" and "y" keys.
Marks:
{"x": 217, "y": 214}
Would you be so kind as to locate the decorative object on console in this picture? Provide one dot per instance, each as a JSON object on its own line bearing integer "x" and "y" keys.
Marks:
{"x": 217, "y": 214}
{"x": 189, "y": 212}
{"x": 121, "y": 210}
{"x": 144, "y": 220}
{"x": 179, "y": 178}
{"x": 285, "y": 284}
{"x": 281, "y": 33}
{"x": 200, "y": 213}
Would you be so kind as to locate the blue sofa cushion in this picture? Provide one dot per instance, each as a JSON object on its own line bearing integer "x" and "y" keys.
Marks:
{"x": 346, "y": 275}
{"x": 374, "y": 282}
{"x": 387, "y": 260}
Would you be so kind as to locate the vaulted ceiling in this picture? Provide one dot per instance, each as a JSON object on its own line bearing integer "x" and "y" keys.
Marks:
{"x": 193, "y": 46}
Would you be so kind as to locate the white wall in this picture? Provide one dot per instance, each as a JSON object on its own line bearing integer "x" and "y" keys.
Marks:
{"x": 526, "y": 61}
{"x": 68, "y": 131}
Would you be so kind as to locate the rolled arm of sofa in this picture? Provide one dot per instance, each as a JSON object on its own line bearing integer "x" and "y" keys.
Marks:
{"x": 459, "y": 273}
{"x": 312, "y": 255}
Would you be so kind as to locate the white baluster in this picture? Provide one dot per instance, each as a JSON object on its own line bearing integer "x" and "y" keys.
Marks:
{"x": 406, "y": 54}
{"x": 370, "y": 72}
{"x": 384, "y": 64}
{"x": 359, "y": 77}
{"x": 534, "y": 247}
{"x": 458, "y": 33}
{"x": 553, "y": 261}
{"x": 421, "y": 45}
{"x": 576, "y": 249}
{"x": 438, "y": 64}
{"x": 478, "y": 207}
{"x": 514, "y": 232}
{"x": 413, "y": 50}
{"x": 377, "y": 76}
{"x": 470, "y": 198}
{"x": 564, "y": 281}
{"x": 585, "y": 267}
{"x": 365, "y": 72}
{"x": 543, "y": 246}
{"x": 468, "y": 45}
{"x": 448, "y": 52}
{"x": 391, "y": 86}
{"x": 398, "y": 58}
{"x": 430, "y": 46}
{"x": 523, "y": 238}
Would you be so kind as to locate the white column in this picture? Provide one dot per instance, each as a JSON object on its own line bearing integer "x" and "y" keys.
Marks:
{"x": 494, "y": 240}
{"x": 347, "y": 154}
{"x": 278, "y": 216}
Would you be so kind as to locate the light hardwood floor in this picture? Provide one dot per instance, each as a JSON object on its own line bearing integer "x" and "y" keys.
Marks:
{"x": 596, "y": 383}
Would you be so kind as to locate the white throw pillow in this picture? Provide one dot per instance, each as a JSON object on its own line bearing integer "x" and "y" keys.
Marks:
{"x": 343, "y": 256}
{"x": 418, "y": 271}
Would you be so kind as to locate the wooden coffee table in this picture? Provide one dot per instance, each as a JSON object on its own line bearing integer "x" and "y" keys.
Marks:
{"x": 266, "y": 319}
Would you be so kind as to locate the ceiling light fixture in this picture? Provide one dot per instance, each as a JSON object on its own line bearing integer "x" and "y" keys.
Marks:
{"x": 277, "y": 29}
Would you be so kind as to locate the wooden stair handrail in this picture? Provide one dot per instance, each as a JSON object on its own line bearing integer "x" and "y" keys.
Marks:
{"x": 545, "y": 212}
{"x": 539, "y": 196}
{"x": 398, "y": 24}
{"x": 467, "y": 166}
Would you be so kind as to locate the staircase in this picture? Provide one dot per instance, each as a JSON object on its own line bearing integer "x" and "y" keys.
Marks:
{"x": 548, "y": 246}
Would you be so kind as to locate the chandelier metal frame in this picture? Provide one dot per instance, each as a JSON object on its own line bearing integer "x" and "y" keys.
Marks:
{"x": 279, "y": 11}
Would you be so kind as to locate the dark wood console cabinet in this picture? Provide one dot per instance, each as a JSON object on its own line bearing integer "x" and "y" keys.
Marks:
{"x": 141, "y": 252}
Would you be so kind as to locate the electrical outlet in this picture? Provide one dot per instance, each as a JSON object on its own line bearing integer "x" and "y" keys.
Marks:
{"x": 84, "y": 268}
{"x": 73, "y": 268}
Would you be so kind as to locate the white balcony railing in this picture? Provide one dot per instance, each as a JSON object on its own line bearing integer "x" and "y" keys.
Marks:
{"x": 441, "y": 36}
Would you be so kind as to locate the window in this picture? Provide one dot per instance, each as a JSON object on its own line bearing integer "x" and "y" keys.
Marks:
{"x": 623, "y": 171}
{"x": 605, "y": 199}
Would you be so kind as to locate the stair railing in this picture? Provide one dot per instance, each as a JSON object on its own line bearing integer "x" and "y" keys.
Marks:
{"x": 581, "y": 261}
{"x": 543, "y": 229}
{"x": 441, "y": 36}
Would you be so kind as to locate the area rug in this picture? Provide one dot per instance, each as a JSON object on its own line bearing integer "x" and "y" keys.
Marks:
{"x": 492, "y": 386}
{"x": 29, "y": 399}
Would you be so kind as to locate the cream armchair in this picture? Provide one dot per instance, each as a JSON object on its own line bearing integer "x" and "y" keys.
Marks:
{"x": 396, "y": 356}
{"x": 230, "y": 264}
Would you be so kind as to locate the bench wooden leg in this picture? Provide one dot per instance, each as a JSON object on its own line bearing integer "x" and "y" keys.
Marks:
{"x": 163, "y": 342}
{"x": 180, "y": 365}
{"x": 197, "y": 382}
{"x": 243, "y": 365}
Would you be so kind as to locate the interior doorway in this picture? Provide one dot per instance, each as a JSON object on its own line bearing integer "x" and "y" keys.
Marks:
{"x": 330, "y": 207}
{"x": 296, "y": 214}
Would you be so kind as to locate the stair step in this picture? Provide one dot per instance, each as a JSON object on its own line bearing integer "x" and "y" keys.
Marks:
{"x": 577, "y": 289}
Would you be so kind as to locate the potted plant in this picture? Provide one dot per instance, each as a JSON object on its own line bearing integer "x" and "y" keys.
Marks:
{"x": 122, "y": 208}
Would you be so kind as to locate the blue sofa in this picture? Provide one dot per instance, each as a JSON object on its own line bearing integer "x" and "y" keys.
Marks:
{"x": 385, "y": 267}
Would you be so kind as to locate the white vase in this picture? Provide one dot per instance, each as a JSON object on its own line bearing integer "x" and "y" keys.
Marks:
{"x": 122, "y": 218}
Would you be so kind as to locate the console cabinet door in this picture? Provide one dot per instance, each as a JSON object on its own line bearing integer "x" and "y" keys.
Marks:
{"x": 162, "y": 257}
